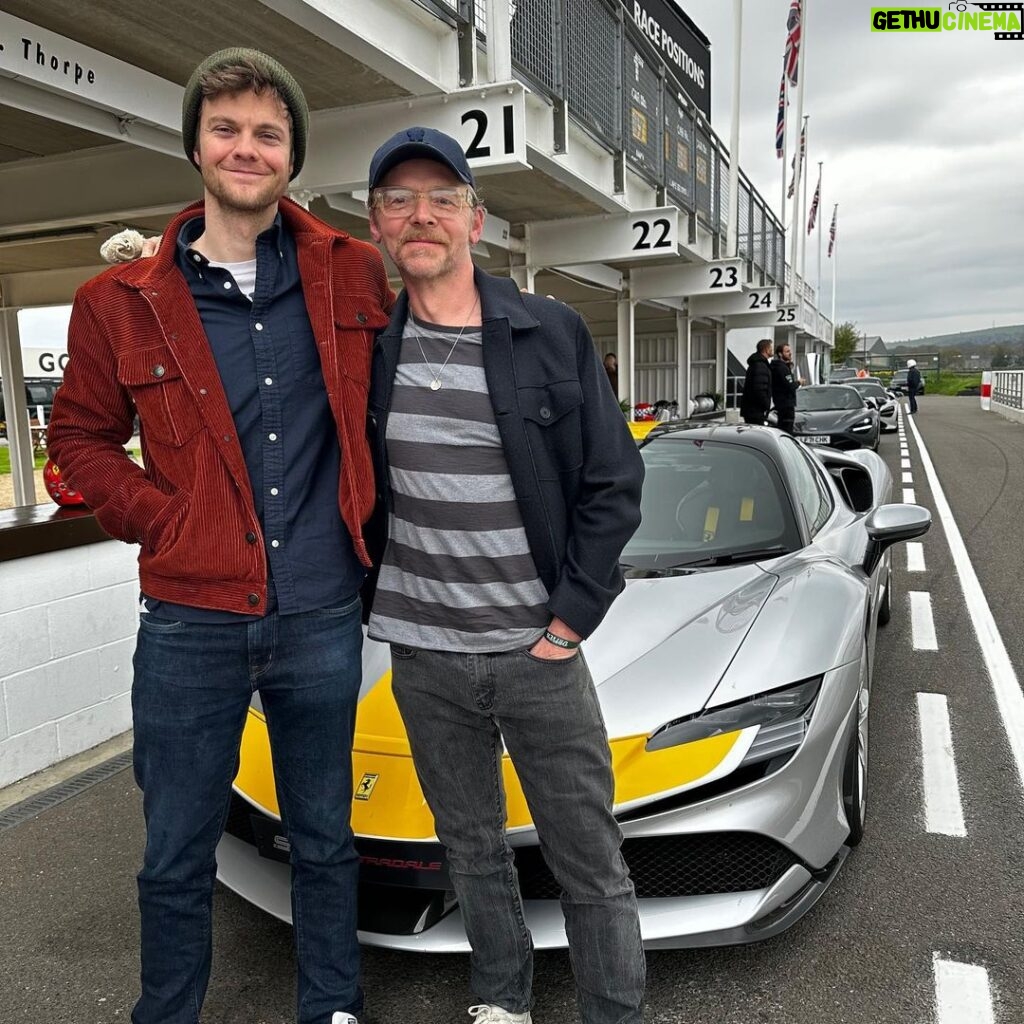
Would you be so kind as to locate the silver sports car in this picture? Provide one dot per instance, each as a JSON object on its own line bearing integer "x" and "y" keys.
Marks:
{"x": 875, "y": 395}
{"x": 734, "y": 673}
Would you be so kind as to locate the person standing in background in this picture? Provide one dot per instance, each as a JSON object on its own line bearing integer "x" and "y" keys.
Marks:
{"x": 784, "y": 387}
{"x": 757, "y": 385}
{"x": 913, "y": 384}
{"x": 611, "y": 367}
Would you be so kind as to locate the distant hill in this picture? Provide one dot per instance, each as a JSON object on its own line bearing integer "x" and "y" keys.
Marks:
{"x": 965, "y": 339}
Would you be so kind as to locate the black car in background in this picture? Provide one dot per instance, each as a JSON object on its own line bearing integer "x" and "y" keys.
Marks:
{"x": 835, "y": 416}
{"x": 899, "y": 383}
{"x": 39, "y": 391}
{"x": 842, "y": 374}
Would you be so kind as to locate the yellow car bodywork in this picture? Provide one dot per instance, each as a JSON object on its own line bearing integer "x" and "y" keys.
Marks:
{"x": 642, "y": 428}
{"x": 388, "y": 802}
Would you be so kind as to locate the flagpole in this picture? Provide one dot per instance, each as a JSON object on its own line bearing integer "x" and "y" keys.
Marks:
{"x": 835, "y": 263}
{"x": 801, "y": 78}
{"x": 818, "y": 220}
{"x": 796, "y": 268}
{"x": 785, "y": 140}
{"x": 732, "y": 228}
{"x": 803, "y": 215}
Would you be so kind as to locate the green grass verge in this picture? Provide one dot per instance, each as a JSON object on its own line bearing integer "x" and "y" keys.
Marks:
{"x": 5, "y": 461}
{"x": 947, "y": 384}
{"x": 40, "y": 460}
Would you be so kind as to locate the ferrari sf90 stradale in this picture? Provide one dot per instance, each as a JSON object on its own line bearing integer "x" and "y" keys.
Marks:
{"x": 734, "y": 673}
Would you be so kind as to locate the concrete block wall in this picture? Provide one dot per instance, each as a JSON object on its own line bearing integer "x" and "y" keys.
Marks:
{"x": 1017, "y": 415}
{"x": 67, "y": 634}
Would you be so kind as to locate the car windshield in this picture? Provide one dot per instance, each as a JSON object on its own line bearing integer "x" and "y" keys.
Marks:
{"x": 871, "y": 390}
{"x": 821, "y": 398}
{"x": 709, "y": 502}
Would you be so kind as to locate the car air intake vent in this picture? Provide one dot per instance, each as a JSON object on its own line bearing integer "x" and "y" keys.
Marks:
{"x": 672, "y": 866}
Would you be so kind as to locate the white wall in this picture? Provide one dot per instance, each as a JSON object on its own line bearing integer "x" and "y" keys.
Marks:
{"x": 656, "y": 363}
{"x": 67, "y": 633}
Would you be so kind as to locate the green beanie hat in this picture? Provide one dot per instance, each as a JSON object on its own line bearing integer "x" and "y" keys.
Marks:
{"x": 289, "y": 90}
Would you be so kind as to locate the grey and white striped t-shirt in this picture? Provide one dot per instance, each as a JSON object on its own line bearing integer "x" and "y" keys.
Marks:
{"x": 457, "y": 573}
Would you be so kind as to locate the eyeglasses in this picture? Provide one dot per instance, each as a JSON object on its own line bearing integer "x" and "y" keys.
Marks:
{"x": 394, "y": 201}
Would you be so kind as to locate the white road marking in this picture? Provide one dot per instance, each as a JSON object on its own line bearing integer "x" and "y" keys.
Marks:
{"x": 915, "y": 557}
{"x": 943, "y": 811}
{"x": 922, "y": 625}
{"x": 908, "y": 478}
{"x": 1008, "y": 694}
{"x": 904, "y": 463}
{"x": 962, "y": 993}
{"x": 908, "y": 496}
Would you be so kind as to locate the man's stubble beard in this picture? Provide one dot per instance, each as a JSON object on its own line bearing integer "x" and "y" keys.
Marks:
{"x": 254, "y": 202}
{"x": 416, "y": 271}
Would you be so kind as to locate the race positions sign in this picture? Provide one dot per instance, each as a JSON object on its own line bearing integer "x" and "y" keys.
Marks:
{"x": 680, "y": 44}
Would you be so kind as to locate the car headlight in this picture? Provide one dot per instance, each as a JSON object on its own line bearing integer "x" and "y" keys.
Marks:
{"x": 782, "y": 715}
{"x": 862, "y": 425}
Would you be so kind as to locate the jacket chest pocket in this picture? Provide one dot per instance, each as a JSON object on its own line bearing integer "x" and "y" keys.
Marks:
{"x": 552, "y": 417}
{"x": 357, "y": 318}
{"x": 166, "y": 409}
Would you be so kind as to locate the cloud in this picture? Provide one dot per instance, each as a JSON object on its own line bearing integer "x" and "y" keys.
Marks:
{"x": 922, "y": 138}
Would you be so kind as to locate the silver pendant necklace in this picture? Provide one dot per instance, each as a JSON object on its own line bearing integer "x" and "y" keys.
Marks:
{"x": 435, "y": 383}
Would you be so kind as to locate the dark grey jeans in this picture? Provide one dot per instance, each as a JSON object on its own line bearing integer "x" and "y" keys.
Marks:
{"x": 547, "y": 712}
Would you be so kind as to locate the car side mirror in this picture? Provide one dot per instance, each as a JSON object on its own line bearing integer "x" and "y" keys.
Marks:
{"x": 890, "y": 524}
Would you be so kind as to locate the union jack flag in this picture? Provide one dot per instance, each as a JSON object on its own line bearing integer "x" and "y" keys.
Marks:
{"x": 793, "y": 41}
{"x": 832, "y": 230}
{"x": 780, "y": 123}
{"x": 792, "y": 163}
{"x": 813, "y": 216}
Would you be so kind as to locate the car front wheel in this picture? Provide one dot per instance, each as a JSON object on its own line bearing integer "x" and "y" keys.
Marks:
{"x": 855, "y": 775}
{"x": 885, "y": 605}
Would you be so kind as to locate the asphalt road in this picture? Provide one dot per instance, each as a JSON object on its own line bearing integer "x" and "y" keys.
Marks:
{"x": 864, "y": 955}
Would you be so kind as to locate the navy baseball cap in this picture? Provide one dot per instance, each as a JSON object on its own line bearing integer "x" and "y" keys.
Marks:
{"x": 420, "y": 144}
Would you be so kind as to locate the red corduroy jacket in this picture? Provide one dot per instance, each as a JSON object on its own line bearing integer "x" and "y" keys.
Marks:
{"x": 136, "y": 343}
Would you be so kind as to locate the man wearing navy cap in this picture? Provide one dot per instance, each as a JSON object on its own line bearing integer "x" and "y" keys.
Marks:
{"x": 509, "y": 485}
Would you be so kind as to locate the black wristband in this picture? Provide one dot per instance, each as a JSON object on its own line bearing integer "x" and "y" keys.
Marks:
{"x": 560, "y": 641}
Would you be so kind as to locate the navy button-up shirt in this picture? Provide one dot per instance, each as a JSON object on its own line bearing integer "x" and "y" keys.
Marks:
{"x": 270, "y": 368}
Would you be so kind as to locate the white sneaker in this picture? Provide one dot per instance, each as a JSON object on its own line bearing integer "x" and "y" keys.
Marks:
{"x": 487, "y": 1014}
{"x": 343, "y": 1018}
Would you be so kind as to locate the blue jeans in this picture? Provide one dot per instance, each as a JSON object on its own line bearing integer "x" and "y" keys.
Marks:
{"x": 193, "y": 684}
{"x": 547, "y": 712}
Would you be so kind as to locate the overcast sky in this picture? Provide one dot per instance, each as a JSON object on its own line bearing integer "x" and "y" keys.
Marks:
{"x": 922, "y": 135}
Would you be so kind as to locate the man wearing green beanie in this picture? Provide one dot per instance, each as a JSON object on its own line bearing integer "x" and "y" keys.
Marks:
{"x": 243, "y": 347}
